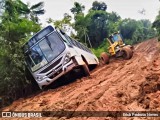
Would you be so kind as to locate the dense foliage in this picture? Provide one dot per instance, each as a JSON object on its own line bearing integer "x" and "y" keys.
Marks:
{"x": 136, "y": 31}
{"x": 15, "y": 28}
{"x": 156, "y": 24}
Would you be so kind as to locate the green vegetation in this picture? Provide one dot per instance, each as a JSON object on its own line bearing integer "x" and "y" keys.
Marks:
{"x": 18, "y": 21}
{"x": 15, "y": 28}
{"x": 103, "y": 47}
{"x": 156, "y": 24}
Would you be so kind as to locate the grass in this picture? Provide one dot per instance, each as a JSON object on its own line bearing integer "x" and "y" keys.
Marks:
{"x": 102, "y": 48}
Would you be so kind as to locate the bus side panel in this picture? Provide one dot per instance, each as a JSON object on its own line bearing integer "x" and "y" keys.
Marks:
{"x": 79, "y": 60}
{"x": 90, "y": 58}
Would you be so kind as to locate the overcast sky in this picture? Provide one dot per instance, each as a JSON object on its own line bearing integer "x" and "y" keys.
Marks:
{"x": 55, "y": 9}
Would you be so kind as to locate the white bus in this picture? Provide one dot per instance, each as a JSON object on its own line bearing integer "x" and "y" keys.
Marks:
{"x": 51, "y": 53}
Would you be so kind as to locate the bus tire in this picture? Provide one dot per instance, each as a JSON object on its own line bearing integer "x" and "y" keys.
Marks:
{"x": 86, "y": 70}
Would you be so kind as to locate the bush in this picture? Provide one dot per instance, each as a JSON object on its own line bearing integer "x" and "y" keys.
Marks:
{"x": 129, "y": 42}
{"x": 102, "y": 48}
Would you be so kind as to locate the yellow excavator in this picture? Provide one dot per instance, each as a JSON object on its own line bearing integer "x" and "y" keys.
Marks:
{"x": 117, "y": 48}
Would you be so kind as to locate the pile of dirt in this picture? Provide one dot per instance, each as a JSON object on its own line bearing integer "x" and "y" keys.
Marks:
{"x": 132, "y": 85}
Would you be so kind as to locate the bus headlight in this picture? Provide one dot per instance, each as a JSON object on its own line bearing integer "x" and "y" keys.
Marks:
{"x": 40, "y": 77}
{"x": 67, "y": 58}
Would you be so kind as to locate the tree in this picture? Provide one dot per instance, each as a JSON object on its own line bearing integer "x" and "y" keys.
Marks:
{"x": 34, "y": 11}
{"x": 97, "y": 25}
{"x": 77, "y": 9}
{"x": 127, "y": 27}
{"x": 99, "y": 6}
{"x": 65, "y": 21}
{"x": 156, "y": 23}
{"x": 15, "y": 29}
{"x": 136, "y": 31}
{"x": 17, "y": 6}
{"x": 64, "y": 24}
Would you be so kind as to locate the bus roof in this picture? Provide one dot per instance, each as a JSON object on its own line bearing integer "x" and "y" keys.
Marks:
{"x": 40, "y": 34}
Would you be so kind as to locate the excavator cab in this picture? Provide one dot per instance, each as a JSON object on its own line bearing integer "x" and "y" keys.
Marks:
{"x": 117, "y": 37}
{"x": 116, "y": 42}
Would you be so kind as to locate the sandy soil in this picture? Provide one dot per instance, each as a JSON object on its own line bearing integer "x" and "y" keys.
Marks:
{"x": 122, "y": 85}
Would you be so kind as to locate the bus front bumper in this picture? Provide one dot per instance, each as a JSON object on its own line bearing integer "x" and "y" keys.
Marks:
{"x": 57, "y": 73}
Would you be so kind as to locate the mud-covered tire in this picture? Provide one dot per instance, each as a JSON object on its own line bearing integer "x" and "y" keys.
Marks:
{"x": 131, "y": 47}
{"x": 104, "y": 58}
{"x": 127, "y": 53}
{"x": 86, "y": 70}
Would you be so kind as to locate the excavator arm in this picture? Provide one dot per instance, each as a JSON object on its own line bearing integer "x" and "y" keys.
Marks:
{"x": 111, "y": 48}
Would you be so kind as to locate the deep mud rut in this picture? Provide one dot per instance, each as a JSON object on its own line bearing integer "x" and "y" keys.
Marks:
{"x": 122, "y": 85}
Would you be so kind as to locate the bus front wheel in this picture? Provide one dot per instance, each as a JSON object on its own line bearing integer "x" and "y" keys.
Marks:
{"x": 86, "y": 70}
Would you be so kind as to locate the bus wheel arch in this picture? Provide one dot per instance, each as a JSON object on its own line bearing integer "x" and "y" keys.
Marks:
{"x": 85, "y": 67}
{"x": 96, "y": 61}
{"x": 84, "y": 60}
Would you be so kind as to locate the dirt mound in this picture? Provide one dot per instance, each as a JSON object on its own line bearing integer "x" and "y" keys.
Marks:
{"x": 122, "y": 85}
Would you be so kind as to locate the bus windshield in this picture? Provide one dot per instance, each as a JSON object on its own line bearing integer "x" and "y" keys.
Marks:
{"x": 45, "y": 51}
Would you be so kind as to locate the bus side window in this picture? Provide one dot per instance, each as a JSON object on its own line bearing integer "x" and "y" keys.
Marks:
{"x": 83, "y": 47}
{"x": 87, "y": 49}
{"x": 65, "y": 39}
{"x": 90, "y": 51}
{"x": 78, "y": 44}
{"x": 74, "y": 43}
{"x": 69, "y": 39}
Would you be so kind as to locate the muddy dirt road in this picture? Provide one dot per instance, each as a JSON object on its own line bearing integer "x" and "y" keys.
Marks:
{"x": 132, "y": 85}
